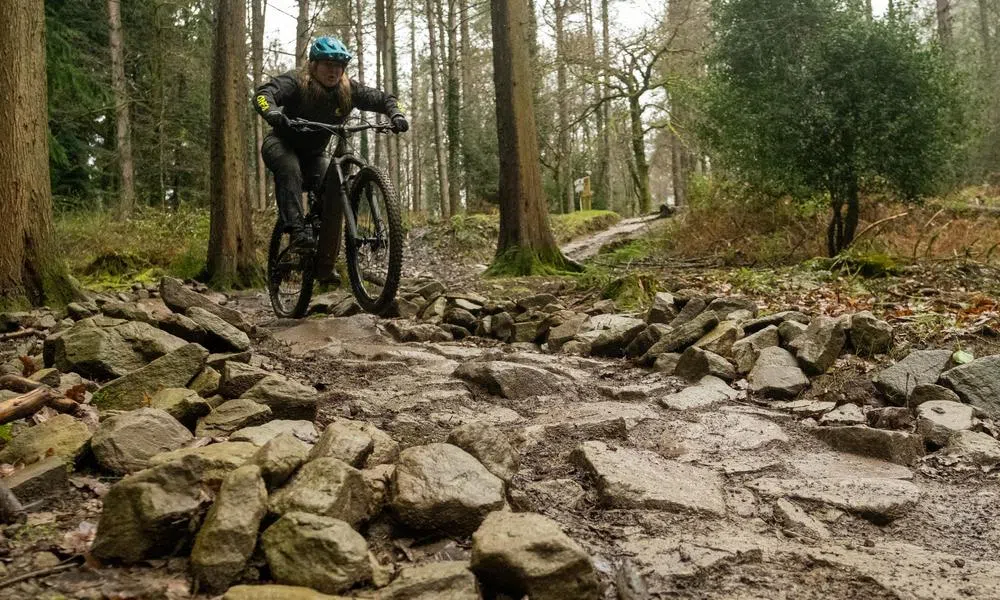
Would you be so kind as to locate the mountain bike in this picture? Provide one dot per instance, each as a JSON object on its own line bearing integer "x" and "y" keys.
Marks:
{"x": 373, "y": 232}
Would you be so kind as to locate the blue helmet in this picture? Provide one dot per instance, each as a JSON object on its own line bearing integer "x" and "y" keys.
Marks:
{"x": 329, "y": 48}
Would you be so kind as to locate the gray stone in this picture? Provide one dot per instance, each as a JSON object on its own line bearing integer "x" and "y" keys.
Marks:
{"x": 893, "y": 446}
{"x": 279, "y": 458}
{"x": 879, "y": 500}
{"x": 645, "y": 340}
{"x": 440, "y": 487}
{"x": 680, "y": 337}
{"x": 183, "y": 327}
{"x": 326, "y": 487}
{"x": 175, "y": 369}
{"x": 218, "y": 360}
{"x": 287, "y": 399}
{"x": 542, "y": 495}
{"x": 615, "y": 338}
{"x": 179, "y": 299}
{"x": 918, "y": 368}
{"x": 663, "y": 309}
{"x": 691, "y": 309}
{"x": 343, "y": 442}
{"x": 746, "y": 351}
{"x": 238, "y": 378}
{"x": 537, "y": 301}
{"x": 502, "y": 326}
{"x": 317, "y": 552}
{"x": 793, "y": 518}
{"x": 789, "y": 331}
{"x": 49, "y": 377}
{"x": 421, "y": 332}
{"x": 977, "y": 383}
{"x": 461, "y": 317}
{"x": 182, "y": 404}
{"x": 220, "y": 336}
{"x": 47, "y": 477}
{"x": 431, "y": 289}
{"x": 695, "y": 397}
{"x": 937, "y": 420}
{"x": 666, "y": 363}
{"x": 845, "y": 414}
{"x": 820, "y": 344}
{"x": 723, "y": 307}
{"x": 525, "y": 331}
{"x": 446, "y": 580}
{"x": 930, "y": 392}
{"x": 807, "y": 407}
{"x": 207, "y": 464}
{"x": 126, "y": 442}
{"x": 720, "y": 339}
{"x": 510, "y": 380}
{"x": 774, "y": 319}
{"x": 489, "y": 446}
{"x": 528, "y": 554}
{"x": 229, "y": 534}
{"x": 276, "y": 592}
{"x": 231, "y": 416}
{"x": 696, "y": 363}
{"x": 974, "y": 448}
{"x": 206, "y": 383}
{"x": 870, "y": 336}
{"x": 628, "y": 478}
{"x": 261, "y": 434}
{"x": 566, "y": 331}
{"x": 385, "y": 449}
{"x": 108, "y": 352}
{"x": 776, "y": 374}
{"x": 891, "y": 417}
{"x": 61, "y": 436}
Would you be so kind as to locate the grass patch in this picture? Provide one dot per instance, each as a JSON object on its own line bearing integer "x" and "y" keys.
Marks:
{"x": 573, "y": 225}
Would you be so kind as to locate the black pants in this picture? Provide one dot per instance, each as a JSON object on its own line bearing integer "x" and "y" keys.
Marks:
{"x": 294, "y": 172}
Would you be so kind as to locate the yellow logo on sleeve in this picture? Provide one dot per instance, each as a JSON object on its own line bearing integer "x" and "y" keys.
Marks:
{"x": 263, "y": 103}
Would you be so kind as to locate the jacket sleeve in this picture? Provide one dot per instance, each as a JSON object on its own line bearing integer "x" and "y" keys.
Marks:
{"x": 373, "y": 100}
{"x": 277, "y": 92}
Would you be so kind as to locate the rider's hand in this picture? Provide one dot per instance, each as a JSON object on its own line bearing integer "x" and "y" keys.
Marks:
{"x": 399, "y": 123}
{"x": 278, "y": 120}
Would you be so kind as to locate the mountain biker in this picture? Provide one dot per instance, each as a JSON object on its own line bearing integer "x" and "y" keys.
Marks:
{"x": 320, "y": 92}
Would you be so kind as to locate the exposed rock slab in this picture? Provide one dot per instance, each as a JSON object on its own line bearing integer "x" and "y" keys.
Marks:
{"x": 179, "y": 299}
{"x": 287, "y": 399}
{"x": 262, "y": 434}
{"x": 918, "y": 368}
{"x": 510, "y": 380}
{"x": 937, "y": 420}
{"x": 893, "y": 446}
{"x": 220, "y": 336}
{"x": 879, "y": 500}
{"x": 445, "y": 580}
{"x": 173, "y": 370}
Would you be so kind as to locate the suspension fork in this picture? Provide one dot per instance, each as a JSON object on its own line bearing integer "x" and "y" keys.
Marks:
{"x": 345, "y": 202}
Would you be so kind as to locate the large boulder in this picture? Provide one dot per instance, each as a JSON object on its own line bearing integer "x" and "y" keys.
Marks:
{"x": 566, "y": 331}
{"x": 445, "y": 580}
{"x": 172, "y": 370}
{"x": 61, "y": 436}
{"x": 208, "y": 464}
{"x": 977, "y": 383}
{"x": 820, "y": 344}
{"x": 937, "y": 420}
{"x": 776, "y": 374}
{"x": 287, "y": 399}
{"x": 345, "y": 443}
{"x": 314, "y": 551}
{"x": 125, "y": 442}
{"x": 108, "y": 352}
{"x": 877, "y": 499}
{"x": 183, "y": 327}
{"x": 238, "y": 378}
{"x": 746, "y": 351}
{"x": 440, "y": 487}
{"x": 229, "y": 534}
{"x": 489, "y": 446}
{"x": 179, "y": 299}
{"x": 663, "y": 309}
{"x": 680, "y": 337}
{"x": 528, "y": 554}
{"x": 259, "y": 435}
{"x": 870, "y": 336}
{"x": 231, "y": 416}
{"x": 918, "y": 368}
{"x": 615, "y": 338}
{"x": 220, "y": 336}
{"x": 696, "y": 363}
{"x": 327, "y": 487}
{"x": 385, "y": 450}
{"x": 279, "y": 458}
{"x": 183, "y": 404}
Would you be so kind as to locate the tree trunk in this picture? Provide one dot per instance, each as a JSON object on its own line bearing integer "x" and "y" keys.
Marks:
{"x": 392, "y": 81}
{"x": 564, "y": 175}
{"x": 944, "y": 23}
{"x": 639, "y": 155}
{"x": 415, "y": 127}
{"x": 302, "y": 34}
{"x": 379, "y": 141}
{"x": 123, "y": 127}
{"x": 603, "y": 191}
{"x": 360, "y": 34}
{"x": 442, "y": 165}
{"x": 452, "y": 104}
{"x": 257, "y": 53}
{"x": 231, "y": 253}
{"x": 526, "y": 244}
{"x": 30, "y": 272}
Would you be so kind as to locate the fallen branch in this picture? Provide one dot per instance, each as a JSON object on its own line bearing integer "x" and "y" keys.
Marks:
{"x": 28, "y": 404}
{"x": 878, "y": 223}
{"x": 16, "y": 383}
{"x": 21, "y": 334}
{"x": 39, "y": 573}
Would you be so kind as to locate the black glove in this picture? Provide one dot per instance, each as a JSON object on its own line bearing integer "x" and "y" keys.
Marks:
{"x": 278, "y": 120}
{"x": 399, "y": 123}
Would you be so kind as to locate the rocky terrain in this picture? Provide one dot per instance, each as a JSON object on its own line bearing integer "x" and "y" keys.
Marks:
{"x": 542, "y": 445}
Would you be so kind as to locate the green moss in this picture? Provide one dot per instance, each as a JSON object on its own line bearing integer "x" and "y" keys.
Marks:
{"x": 524, "y": 262}
{"x": 633, "y": 290}
{"x": 5, "y": 431}
{"x": 573, "y": 225}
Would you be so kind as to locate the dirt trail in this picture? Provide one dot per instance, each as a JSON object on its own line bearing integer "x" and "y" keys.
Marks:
{"x": 627, "y": 229}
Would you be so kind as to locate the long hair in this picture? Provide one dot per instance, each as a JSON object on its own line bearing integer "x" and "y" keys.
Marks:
{"x": 314, "y": 92}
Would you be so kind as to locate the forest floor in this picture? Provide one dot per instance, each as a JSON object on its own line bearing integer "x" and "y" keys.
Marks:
{"x": 736, "y": 500}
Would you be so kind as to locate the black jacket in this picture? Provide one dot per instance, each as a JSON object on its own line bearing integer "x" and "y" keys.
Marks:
{"x": 285, "y": 91}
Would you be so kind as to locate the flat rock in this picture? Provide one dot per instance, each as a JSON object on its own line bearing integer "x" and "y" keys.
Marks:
{"x": 231, "y": 416}
{"x": 317, "y": 552}
{"x": 173, "y": 370}
{"x": 878, "y": 500}
{"x": 870, "y": 336}
{"x": 208, "y": 465}
{"x": 489, "y": 446}
{"x": 183, "y": 404}
{"x": 108, "y": 352}
{"x": 566, "y": 331}
{"x": 721, "y": 338}
{"x": 510, "y": 380}
{"x": 897, "y": 418}
{"x": 445, "y": 580}
{"x": 343, "y": 442}
{"x": 61, "y": 436}
{"x": 279, "y": 458}
{"x": 894, "y": 446}
{"x": 746, "y": 351}
{"x": 589, "y": 420}
{"x": 326, "y": 487}
{"x": 220, "y": 336}
{"x": 262, "y": 434}
{"x": 775, "y": 320}
{"x": 179, "y": 299}
{"x": 440, "y": 487}
{"x": 974, "y": 448}
{"x": 977, "y": 383}
{"x": 845, "y": 414}
{"x": 39, "y": 480}
{"x": 776, "y": 374}
{"x": 528, "y": 554}
{"x": 725, "y": 306}
{"x": 183, "y": 327}
{"x": 615, "y": 338}
{"x": 238, "y": 378}
{"x": 694, "y": 397}
{"x": 126, "y": 442}
{"x": 229, "y": 534}
{"x": 287, "y": 399}
{"x": 937, "y": 420}
{"x": 696, "y": 363}
{"x": 793, "y": 518}
{"x": 628, "y": 478}
{"x": 820, "y": 344}
{"x": 930, "y": 392}
{"x": 276, "y": 592}
{"x": 918, "y": 368}
{"x": 680, "y": 337}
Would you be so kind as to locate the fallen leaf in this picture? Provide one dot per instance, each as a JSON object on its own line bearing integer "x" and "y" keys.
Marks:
{"x": 82, "y": 482}
{"x": 78, "y": 541}
{"x": 77, "y": 392}
{"x": 28, "y": 366}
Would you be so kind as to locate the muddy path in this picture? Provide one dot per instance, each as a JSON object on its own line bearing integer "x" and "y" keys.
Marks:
{"x": 588, "y": 246}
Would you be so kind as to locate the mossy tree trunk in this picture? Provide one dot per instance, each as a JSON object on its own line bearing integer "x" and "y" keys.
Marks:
{"x": 452, "y": 108}
{"x": 526, "y": 244}
{"x": 231, "y": 257}
{"x": 123, "y": 121}
{"x": 30, "y": 272}
{"x": 257, "y": 53}
{"x": 439, "y": 149}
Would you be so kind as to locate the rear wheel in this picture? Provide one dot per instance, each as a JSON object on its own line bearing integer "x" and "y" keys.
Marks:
{"x": 290, "y": 275}
{"x": 375, "y": 256}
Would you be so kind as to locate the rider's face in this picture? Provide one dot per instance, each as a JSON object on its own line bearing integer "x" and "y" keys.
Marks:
{"x": 328, "y": 72}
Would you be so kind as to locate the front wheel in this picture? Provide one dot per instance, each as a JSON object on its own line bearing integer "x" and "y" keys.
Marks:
{"x": 290, "y": 274}
{"x": 375, "y": 256}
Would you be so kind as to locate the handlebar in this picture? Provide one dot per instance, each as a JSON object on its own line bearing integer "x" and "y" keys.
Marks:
{"x": 342, "y": 130}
